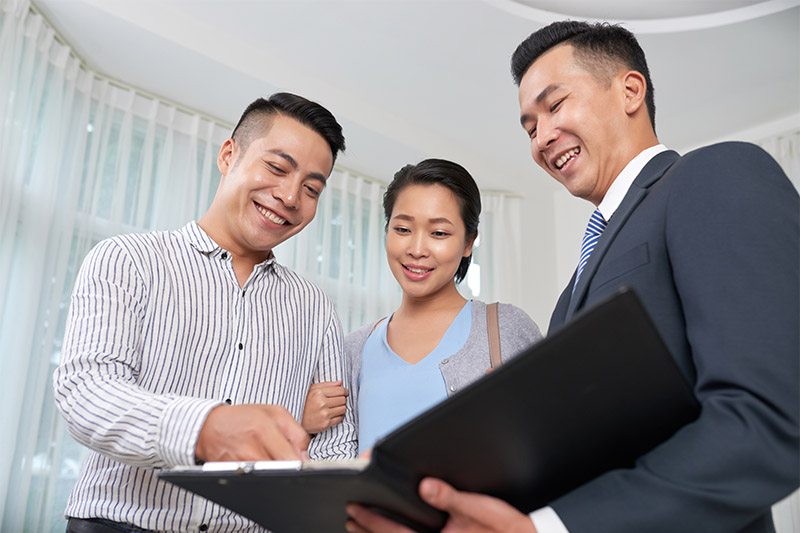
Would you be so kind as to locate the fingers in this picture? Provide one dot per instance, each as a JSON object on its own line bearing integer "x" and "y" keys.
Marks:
{"x": 294, "y": 432}
{"x": 437, "y": 493}
{"x": 473, "y": 512}
{"x": 250, "y": 433}
{"x": 463, "y": 507}
{"x": 329, "y": 389}
{"x": 326, "y": 406}
{"x": 365, "y": 521}
{"x": 324, "y": 384}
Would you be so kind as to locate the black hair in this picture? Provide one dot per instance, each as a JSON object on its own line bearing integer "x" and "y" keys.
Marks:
{"x": 450, "y": 175}
{"x": 599, "y": 47}
{"x": 252, "y": 123}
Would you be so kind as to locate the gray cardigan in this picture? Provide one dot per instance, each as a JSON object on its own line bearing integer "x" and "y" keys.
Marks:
{"x": 517, "y": 332}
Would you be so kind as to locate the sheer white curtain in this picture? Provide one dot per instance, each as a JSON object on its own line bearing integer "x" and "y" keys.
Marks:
{"x": 496, "y": 271}
{"x": 785, "y": 148}
{"x": 80, "y": 159}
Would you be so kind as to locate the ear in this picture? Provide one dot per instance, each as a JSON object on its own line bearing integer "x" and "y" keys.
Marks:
{"x": 226, "y": 156}
{"x": 468, "y": 246}
{"x": 634, "y": 87}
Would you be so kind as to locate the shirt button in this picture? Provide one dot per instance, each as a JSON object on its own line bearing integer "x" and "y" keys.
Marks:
{"x": 204, "y": 527}
{"x": 228, "y": 401}
{"x": 452, "y": 388}
{"x": 241, "y": 346}
{"x": 445, "y": 361}
{"x": 224, "y": 256}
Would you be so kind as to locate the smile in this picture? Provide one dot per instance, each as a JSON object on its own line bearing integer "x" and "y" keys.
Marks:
{"x": 561, "y": 161}
{"x": 269, "y": 215}
{"x": 417, "y": 270}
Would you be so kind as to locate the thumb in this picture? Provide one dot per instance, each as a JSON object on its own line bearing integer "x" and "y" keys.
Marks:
{"x": 439, "y": 494}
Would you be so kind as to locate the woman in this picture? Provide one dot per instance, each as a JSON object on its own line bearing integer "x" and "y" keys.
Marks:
{"x": 436, "y": 342}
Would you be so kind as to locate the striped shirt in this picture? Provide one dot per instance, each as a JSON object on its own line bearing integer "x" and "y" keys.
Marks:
{"x": 159, "y": 333}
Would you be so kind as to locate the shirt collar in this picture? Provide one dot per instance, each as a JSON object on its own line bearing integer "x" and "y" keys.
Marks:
{"x": 619, "y": 188}
{"x": 198, "y": 238}
{"x": 201, "y": 242}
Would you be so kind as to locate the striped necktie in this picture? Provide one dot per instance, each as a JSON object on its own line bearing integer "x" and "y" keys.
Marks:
{"x": 597, "y": 224}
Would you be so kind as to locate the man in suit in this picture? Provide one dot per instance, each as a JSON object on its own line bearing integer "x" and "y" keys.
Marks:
{"x": 710, "y": 242}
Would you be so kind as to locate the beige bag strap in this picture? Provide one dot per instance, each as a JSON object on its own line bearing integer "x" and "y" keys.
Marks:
{"x": 493, "y": 326}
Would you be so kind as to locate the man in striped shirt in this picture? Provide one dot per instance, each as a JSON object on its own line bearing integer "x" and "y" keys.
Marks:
{"x": 196, "y": 345}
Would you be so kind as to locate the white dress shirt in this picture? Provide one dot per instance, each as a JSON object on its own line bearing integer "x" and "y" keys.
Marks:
{"x": 159, "y": 333}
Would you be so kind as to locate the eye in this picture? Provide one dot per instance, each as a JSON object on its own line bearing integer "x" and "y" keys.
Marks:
{"x": 313, "y": 191}
{"x": 275, "y": 168}
{"x": 401, "y": 230}
{"x": 532, "y": 132}
{"x": 554, "y": 107}
{"x": 440, "y": 234}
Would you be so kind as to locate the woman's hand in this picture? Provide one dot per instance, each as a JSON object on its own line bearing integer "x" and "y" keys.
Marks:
{"x": 325, "y": 406}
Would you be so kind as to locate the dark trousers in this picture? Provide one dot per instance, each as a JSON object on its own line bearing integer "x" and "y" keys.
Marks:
{"x": 100, "y": 525}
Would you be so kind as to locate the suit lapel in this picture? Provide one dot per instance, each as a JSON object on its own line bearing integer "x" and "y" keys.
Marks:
{"x": 651, "y": 173}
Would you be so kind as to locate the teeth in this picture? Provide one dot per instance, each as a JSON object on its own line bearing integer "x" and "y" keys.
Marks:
{"x": 566, "y": 157}
{"x": 418, "y": 270}
{"x": 270, "y": 215}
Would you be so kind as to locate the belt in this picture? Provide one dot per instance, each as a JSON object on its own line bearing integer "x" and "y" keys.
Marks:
{"x": 100, "y": 525}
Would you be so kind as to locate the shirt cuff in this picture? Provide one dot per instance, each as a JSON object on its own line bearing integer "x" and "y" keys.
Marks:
{"x": 545, "y": 520}
{"x": 179, "y": 428}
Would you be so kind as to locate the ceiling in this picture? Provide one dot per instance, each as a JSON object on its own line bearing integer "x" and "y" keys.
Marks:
{"x": 411, "y": 79}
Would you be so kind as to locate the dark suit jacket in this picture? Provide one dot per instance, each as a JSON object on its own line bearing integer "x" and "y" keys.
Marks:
{"x": 710, "y": 241}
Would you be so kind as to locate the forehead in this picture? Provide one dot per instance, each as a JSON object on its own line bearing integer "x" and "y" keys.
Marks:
{"x": 289, "y": 136}
{"x": 557, "y": 66}
{"x": 430, "y": 199}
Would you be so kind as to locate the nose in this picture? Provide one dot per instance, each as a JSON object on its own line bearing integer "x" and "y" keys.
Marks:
{"x": 288, "y": 191}
{"x": 417, "y": 245}
{"x": 546, "y": 133}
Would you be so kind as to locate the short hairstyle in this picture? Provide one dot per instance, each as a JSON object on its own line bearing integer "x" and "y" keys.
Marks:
{"x": 451, "y": 176}
{"x": 257, "y": 120}
{"x": 601, "y": 48}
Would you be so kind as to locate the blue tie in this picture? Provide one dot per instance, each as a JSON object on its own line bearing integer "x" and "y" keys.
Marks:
{"x": 593, "y": 231}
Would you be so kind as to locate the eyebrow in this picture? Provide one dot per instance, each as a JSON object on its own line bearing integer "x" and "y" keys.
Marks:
{"x": 291, "y": 160}
{"x": 439, "y": 220}
{"x": 541, "y": 96}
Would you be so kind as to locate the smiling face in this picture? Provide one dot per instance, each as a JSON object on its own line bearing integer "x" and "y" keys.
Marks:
{"x": 577, "y": 124}
{"x": 426, "y": 240}
{"x": 269, "y": 192}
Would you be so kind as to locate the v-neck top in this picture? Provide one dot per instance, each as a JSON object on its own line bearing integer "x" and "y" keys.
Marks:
{"x": 394, "y": 391}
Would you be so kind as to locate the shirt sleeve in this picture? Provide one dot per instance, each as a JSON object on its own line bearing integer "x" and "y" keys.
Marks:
{"x": 95, "y": 384}
{"x": 546, "y": 520}
{"x": 339, "y": 441}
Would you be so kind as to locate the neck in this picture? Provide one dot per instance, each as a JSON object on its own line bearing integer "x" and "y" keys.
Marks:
{"x": 448, "y": 298}
{"x": 243, "y": 259}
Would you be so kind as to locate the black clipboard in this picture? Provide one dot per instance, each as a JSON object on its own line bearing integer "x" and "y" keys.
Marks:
{"x": 590, "y": 397}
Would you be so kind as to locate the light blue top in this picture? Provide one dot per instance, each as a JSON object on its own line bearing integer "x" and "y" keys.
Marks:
{"x": 392, "y": 391}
